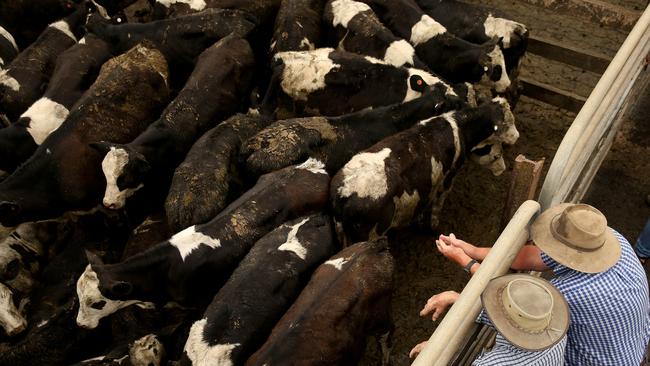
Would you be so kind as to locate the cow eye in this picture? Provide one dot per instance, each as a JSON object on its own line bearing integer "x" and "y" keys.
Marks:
{"x": 98, "y": 305}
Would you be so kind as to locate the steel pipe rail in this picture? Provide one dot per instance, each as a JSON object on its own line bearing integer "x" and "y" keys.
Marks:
{"x": 586, "y": 142}
{"x": 451, "y": 331}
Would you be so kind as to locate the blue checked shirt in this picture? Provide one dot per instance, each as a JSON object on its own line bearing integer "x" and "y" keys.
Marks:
{"x": 610, "y": 311}
{"x": 505, "y": 354}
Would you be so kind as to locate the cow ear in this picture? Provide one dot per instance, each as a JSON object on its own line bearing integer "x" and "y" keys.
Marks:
{"x": 102, "y": 147}
{"x": 93, "y": 259}
{"x": 121, "y": 288}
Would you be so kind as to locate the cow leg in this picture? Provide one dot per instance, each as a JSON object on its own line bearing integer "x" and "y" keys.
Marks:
{"x": 385, "y": 345}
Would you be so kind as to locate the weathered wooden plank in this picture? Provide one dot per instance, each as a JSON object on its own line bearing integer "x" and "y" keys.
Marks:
{"x": 523, "y": 185}
{"x": 568, "y": 54}
{"x": 552, "y": 95}
{"x": 600, "y": 11}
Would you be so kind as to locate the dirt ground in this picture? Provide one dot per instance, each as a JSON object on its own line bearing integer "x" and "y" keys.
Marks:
{"x": 473, "y": 209}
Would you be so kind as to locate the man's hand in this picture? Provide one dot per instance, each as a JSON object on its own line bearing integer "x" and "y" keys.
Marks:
{"x": 417, "y": 349}
{"x": 455, "y": 242}
{"x": 456, "y": 254}
{"x": 438, "y": 304}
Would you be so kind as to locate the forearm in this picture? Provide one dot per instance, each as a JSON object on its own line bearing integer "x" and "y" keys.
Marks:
{"x": 529, "y": 259}
{"x": 478, "y": 253}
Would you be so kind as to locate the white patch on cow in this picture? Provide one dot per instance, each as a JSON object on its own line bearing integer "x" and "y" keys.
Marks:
{"x": 2, "y": 62}
{"x": 345, "y": 10}
{"x": 304, "y": 71}
{"x": 436, "y": 172}
{"x": 292, "y": 244}
{"x": 425, "y": 29}
{"x": 399, "y": 53}
{"x": 101, "y": 10}
{"x": 113, "y": 166}
{"x": 42, "y": 323}
{"x": 189, "y": 239}
{"x": 337, "y": 263}
{"x": 6, "y": 35}
{"x": 82, "y": 40}
{"x": 449, "y": 117}
{"x": 146, "y": 351}
{"x": 193, "y": 4}
{"x": 89, "y": 294}
{"x": 203, "y": 354}
{"x": 98, "y": 358}
{"x": 10, "y": 318}
{"x": 64, "y": 27}
{"x": 313, "y": 165}
{"x": 497, "y": 59}
{"x": 8, "y": 81}
{"x": 511, "y": 134}
{"x": 46, "y": 116}
{"x": 305, "y": 43}
{"x": 429, "y": 79}
{"x": 374, "y": 60}
{"x": 365, "y": 175}
{"x": 405, "y": 206}
{"x": 503, "y": 28}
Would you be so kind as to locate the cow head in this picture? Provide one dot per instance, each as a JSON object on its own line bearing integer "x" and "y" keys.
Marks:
{"x": 494, "y": 67}
{"x": 97, "y": 294}
{"x": 125, "y": 171}
{"x": 489, "y": 152}
{"x": 420, "y": 81}
{"x": 11, "y": 319}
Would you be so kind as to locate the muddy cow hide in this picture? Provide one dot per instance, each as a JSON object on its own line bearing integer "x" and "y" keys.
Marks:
{"x": 360, "y": 31}
{"x": 331, "y": 83}
{"x": 192, "y": 265}
{"x": 65, "y": 172}
{"x": 210, "y": 177}
{"x": 451, "y": 57}
{"x": 214, "y": 91}
{"x": 8, "y": 48}
{"x": 76, "y": 69}
{"x": 260, "y": 290}
{"x": 347, "y": 299}
{"x": 334, "y": 140}
{"x": 404, "y": 178}
{"x": 24, "y": 80}
{"x": 297, "y": 26}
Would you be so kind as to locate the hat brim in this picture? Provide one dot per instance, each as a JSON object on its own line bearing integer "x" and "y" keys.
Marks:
{"x": 557, "y": 328}
{"x": 595, "y": 261}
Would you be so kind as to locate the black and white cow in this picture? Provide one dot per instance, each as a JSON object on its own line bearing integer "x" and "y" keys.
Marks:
{"x": 264, "y": 10}
{"x": 76, "y": 69}
{"x": 210, "y": 177}
{"x": 297, "y": 26}
{"x": 214, "y": 92}
{"x": 334, "y": 140}
{"x": 65, "y": 171}
{"x": 145, "y": 351}
{"x": 332, "y": 83}
{"x": 8, "y": 48}
{"x": 347, "y": 299}
{"x": 451, "y": 57}
{"x": 193, "y": 264}
{"x": 23, "y": 81}
{"x": 360, "y": 31}
{"x": 406, "y": 177}
{"x": 260, "y": 290}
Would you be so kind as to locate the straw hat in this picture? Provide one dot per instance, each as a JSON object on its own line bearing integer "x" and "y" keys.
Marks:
{"x": 527, "y": 310}
{"x": 576, "y": 235}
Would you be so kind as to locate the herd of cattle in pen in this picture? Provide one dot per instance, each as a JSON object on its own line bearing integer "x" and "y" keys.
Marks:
{"x": 209, "y": 182}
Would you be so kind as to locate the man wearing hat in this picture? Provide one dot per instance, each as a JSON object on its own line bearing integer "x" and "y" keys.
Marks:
{"x": 530, "y": 316}
{"x": 598, "y": 273}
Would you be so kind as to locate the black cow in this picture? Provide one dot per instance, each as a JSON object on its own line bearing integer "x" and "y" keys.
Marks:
{"x": 214, "y": 91}
{"x": 297, "y": 26}
{"x": 332, "y": 83}
{"x": 76, "y": 69}
{"x": 193, "y": 264}
{"x": 264, "y": 10}
{"x": 451, "y": 57}
{"x": 347, "y": 299}
{"x": 260, "y": 290}
{"x": 360, "y": 31}
{"x": 8, "y": 48}
{"x": 65, "y": 172}
{"x": 24, "y": 80}
{"x": 406, "y": 177}
{"x": 209, "y": 178}
{"x": 334, "y": 140}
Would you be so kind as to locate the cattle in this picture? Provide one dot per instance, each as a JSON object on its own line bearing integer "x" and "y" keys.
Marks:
{"x": 8, "y": 48}
{"x": 332, "y": 83}
{"x": 297, "y": 26}
{"x": 360, "y": 31}
{"x": 264, "y": 10}
{"x": 379, "y": 188}
{"x": 11, "y": 317}
{"x": 210, "y": 176}
{"x": 346, "y": 299}
{"x": 260, "y": 290}
{"x": 193, "y": 264}
{"x": 145, "y": 351}
{"x": 65, "y": 172}
{"x": 76, "y": 69}
{"x": 24, "y": 80}
{"x": 452, "y": 58}
{"x": 334, "y": 140}
{"x": 214, "y": 91}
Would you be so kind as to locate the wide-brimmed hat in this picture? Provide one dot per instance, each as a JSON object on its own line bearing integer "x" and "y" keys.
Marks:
{"x": 527, "y": 310}
{"x": 576, "y": 236}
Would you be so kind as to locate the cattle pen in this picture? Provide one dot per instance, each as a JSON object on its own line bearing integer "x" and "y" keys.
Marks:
{"x": 577, "y": 160}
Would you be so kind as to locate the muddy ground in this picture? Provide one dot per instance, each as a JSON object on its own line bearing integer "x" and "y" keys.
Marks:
{"x": 473, "y": 209}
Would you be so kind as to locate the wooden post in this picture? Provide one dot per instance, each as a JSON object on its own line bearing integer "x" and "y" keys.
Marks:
{"x": 523, "y": 185}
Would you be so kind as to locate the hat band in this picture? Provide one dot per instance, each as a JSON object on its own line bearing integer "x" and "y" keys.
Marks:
{"x": 522, "y": 319}
{"x": 566, "y": 241}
